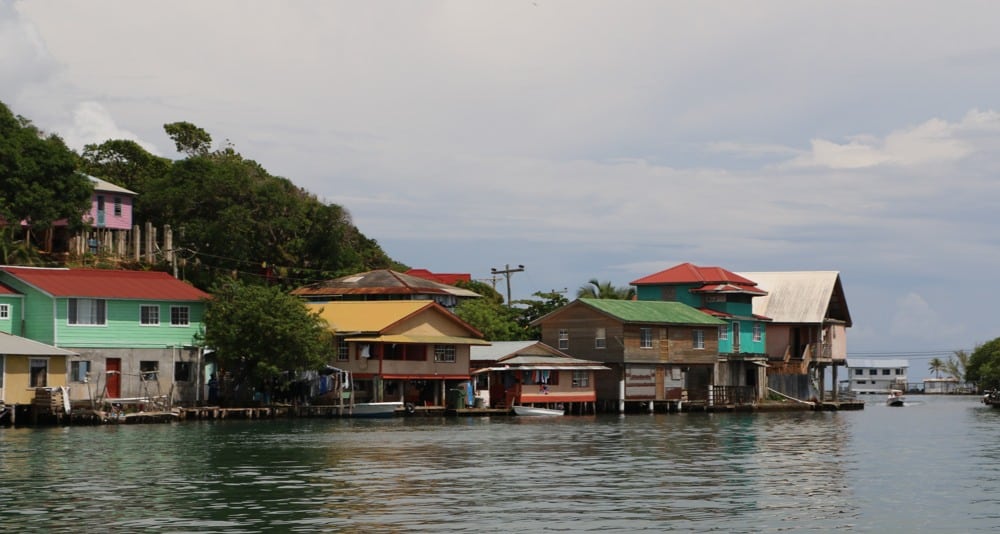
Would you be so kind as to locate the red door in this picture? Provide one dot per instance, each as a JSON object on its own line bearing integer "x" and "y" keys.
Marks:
{"x": 113, "y": 368}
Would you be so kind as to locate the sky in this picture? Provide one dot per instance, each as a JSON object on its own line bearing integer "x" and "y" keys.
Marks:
{"x": 583, "y": 139}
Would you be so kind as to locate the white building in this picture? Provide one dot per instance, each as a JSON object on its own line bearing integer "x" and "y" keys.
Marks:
{"x": 876, "y": 376}
{"x": 942, "y": 385}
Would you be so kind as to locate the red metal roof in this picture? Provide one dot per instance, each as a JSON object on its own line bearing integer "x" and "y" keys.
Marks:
{"x": 688, "y": 273}
{"x": 6, "y": 290}
{"x": 108, "y": 284}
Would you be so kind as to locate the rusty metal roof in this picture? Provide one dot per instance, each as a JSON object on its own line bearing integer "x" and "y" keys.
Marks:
{"x": 380, "y": 282}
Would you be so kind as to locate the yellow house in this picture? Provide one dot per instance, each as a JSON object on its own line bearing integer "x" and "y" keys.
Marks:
{"x": 26, "y": 365}
{"x": 402, "y": 350}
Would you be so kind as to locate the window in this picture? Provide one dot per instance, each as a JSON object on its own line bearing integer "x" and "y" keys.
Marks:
{"x": 899, "y": 371}
{"x": 724, "y": 333}
{"x": 78, "y": 371}
{"x": 873, "y": 371}
{"x": 182, "y": 371}
{"x": 444, "y": 353}
{"x": 600, "y": 341}
{"x": 758, "y": 332}
{"x": 149, "y": 369}
{"x": 118, "y": 206}
{"x": 698, "y": 340}
{"x": 343, "y": 350}
{"x": 668, "y": 293}
{"x": 581, "y": 379}
{"x": 87, "y": 311}
{"x": 645, "y": 338}
{"x": 859, "y": 371}
{"x": 885, "y": 372}
{"x": 38, "y": 372}
{"x": 563, "y": 339}
{"x": 4, "y": 311}
{"x": 179, "y": 315}
{"x": 149, "y": 315}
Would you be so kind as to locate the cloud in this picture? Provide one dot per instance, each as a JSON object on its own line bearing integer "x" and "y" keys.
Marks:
{"x": 92, "y": 123}
{"x": 932, "y": 142}
{"x": 24, "y": 58}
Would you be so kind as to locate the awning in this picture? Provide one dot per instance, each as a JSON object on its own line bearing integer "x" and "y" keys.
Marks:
{"x": 544, "y": 368}
{"x": 423, "y": 377}
{"x": 426, "y": 340}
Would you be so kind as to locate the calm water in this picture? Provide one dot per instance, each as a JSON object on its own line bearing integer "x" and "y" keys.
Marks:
{"x": 932, "y": 465}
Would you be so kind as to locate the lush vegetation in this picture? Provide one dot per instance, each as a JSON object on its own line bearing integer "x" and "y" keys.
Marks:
{"x": 595, "y": 289}
{"x": 231, "y": 217}
{"x": 500, "y": 322}
{"x": 38, "y": 185}
{"x": 983, "y": 367}
{"x": 262, "y": 336}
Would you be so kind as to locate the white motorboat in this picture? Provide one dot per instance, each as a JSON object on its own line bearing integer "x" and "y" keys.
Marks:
{"x": 895, "y": 398}
{"x": 373, "y": 410}
{"x": 531, "y": 410}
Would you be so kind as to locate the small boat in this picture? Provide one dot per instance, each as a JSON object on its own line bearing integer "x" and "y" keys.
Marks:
{"x": 992, "y": 398}
{"x": 895, "y": 398}
{"x": 531, "y": 410}
{"x": 375, "y": 410}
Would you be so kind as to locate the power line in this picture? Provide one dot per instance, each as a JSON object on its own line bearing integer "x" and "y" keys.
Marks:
{"x": 507, "y": 271}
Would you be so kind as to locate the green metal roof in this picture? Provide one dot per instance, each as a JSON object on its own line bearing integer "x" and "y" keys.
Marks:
{"x": 652, "y": 311}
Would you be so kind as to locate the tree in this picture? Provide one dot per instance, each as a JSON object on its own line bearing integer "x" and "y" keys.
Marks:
{"x": 123, "y": 162}
{"x": 496, "y": 321}
{"x": 935, "y": 366}
{"x": 261, "y": 333}
{"x": 38, "y": 179}
{"x": 188, "y": 138}
{"x": 604, "y": 290}
{"x": 532, "y": 309}
{"x": 236, "y": 217}
{"x": 956, "y": 365}
{"x": 984, "y": 365}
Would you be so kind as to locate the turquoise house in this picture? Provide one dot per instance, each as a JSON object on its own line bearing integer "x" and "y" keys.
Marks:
{"x": 134, "y": 332}
{"x": 726, "y": 296}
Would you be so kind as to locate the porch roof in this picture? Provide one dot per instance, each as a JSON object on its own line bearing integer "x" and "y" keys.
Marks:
{"x": 426, "y": 340}
{"x": 19, "y": 346}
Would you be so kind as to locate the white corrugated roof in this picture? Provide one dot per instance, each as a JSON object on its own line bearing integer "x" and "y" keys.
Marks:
{"x": 794, "y": 296}
{"x": 104, "y": 185}
{"x": 19, "y": 346}
{"x": 497, "y": 350}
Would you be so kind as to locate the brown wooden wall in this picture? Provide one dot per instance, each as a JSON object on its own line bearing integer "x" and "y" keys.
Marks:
{"x": 671, "y": 343}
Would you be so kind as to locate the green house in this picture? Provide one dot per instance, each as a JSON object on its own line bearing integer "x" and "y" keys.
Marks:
{"x": 11, "y": 305}
{"x": 134, "y": 331}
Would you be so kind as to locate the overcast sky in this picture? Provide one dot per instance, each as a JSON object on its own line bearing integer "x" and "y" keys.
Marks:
{"x": 583, "y": 139}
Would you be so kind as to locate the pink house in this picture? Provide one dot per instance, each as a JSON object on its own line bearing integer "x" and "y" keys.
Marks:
{"x": 111, "y": 206}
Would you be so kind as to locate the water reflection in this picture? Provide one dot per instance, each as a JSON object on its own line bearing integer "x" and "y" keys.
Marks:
{"x": 688, "y": 472}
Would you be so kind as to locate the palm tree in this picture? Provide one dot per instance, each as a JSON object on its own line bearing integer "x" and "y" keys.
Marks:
{"x": 605, "y": 290}
{"x": 936, "y": 366}
{"x": 956, "y": 364}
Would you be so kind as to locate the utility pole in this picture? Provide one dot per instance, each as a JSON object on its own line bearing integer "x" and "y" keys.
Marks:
{"x": 507, "y": 271}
